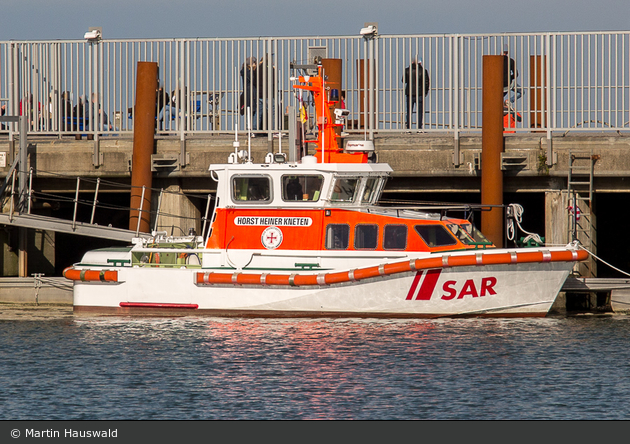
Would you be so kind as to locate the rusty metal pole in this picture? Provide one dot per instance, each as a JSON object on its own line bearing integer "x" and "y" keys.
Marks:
{"x": 143, "y": 139}
{"x": 491, "y": 148}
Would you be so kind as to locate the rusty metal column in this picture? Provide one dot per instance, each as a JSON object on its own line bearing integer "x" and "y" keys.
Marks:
{"x": 143, "y": 138}
{"x": 491, "y": 148}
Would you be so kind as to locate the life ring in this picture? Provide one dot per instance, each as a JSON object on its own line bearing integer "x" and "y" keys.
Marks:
{"x": 577, "y": 212}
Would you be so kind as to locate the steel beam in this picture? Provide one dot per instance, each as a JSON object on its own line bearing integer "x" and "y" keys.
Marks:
{"x": 143, "y": 139}
{"x": 491, "y": 148}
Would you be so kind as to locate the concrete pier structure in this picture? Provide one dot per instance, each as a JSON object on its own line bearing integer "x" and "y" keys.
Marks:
{"x": 423, "y": 170}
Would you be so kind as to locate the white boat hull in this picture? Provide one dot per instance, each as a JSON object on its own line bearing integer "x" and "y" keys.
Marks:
{"x": 528, "y": 289}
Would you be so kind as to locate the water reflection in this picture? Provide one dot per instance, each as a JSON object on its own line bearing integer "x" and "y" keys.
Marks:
{"x": 216, "y": 368}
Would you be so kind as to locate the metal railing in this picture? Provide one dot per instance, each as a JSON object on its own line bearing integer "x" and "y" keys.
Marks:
{"x": 565, "y": 82}
{"x": 19, "y": 196}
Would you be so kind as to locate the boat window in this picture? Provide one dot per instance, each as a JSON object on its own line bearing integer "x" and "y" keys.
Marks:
{"x": 435, "y": 235}
{"x": 395, "y": 237}
{"x": 366, "y": 236}
{"x": 337, "y": 236}
{"x": 302, "y": 187}
{"x": 370, "y": 191}
{"x": 251, "y": 189}
{"x": 469, "y": 234}
{"x": 463, "y": 235}
{"x": 344, "y": 189}
{"x": 381, "y": 186}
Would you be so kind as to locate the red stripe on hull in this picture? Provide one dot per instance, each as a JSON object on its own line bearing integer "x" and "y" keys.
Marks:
{"x": 412, "y": 290}
{"x": 428, "y": 285}
{"x": 155, "y": 305}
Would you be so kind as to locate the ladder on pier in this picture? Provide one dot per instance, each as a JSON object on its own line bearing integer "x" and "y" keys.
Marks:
{"x": 581, "y": 218}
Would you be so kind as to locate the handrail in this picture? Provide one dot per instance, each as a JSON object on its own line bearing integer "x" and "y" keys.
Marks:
{"x": 575, "y": 81}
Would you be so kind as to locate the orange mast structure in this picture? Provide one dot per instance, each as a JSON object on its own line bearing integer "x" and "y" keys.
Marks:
{"x": 327, "y": 150}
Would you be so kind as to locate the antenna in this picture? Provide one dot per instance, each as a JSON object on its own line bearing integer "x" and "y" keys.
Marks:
{"x": 236, "y": 143}
{"x": 323, "y": 132}
{"x": 279, "y": 133}
{"x": 249, "y": 134}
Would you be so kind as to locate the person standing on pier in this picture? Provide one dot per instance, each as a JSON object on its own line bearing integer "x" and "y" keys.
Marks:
{"x": 266, "y": 94}
{"x": 416, "y": 79}
{"x": 249, "y": 96}
{"x": 510, "y": 73}
{"x": 165, "y": 115}
{"x": 95, "y": 114}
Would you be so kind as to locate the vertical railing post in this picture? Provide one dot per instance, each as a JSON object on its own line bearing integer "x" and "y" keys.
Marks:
{"x": 30, "y": 189}
{"x": 371, "y": 104}
{"x": 456, "y": 95}
{"x": 140, "y": 210}
{"x": 12, "y": 196}
{"x": 76, "y": 204}
{"x": 157, "y": 214}
{"x": 13, "y": 81}
{"x": 23, "y": 159}
{"x": 98, "y": 182}
{"x": 205, "y": 219}
{"x": 548, "y": 99}
{"x": 182, "y": 101}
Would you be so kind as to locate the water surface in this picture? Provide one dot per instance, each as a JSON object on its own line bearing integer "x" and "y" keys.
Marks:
{"x": 213, "y": 368}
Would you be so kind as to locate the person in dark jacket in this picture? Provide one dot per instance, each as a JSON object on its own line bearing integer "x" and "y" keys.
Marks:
{"x": 249, "y": 96}
{"x": 264, "y": 92}
{"x": 416, "y": 80}
{"x": 510, "y": 73}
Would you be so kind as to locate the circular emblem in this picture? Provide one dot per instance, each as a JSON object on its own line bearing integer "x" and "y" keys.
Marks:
{"x": 271, "y": 238}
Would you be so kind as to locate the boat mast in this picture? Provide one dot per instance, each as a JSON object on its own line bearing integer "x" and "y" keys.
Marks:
{"x": 327, "y": 150}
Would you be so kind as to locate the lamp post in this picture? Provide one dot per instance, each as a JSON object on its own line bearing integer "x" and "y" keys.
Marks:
{"x": 369, "y": 32}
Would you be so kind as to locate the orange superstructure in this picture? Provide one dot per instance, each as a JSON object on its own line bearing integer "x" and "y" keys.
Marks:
{"x": 312, "y": 229}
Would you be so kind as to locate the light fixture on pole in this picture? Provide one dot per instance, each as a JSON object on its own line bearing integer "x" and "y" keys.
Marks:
{"x": 94, "y": 34}
{"x": 369, "y": 30}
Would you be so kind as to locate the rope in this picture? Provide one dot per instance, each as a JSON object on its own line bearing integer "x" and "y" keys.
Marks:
{"x": 517, "y": 211}
{"x": 577, "y": 244}
{"x": 602, "y": 261}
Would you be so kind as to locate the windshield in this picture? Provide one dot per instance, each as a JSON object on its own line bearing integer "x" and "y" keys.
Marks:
{"x": 371, "y": 189}
{"x": 344, "y": 189}
{"x": 468, "y": 234}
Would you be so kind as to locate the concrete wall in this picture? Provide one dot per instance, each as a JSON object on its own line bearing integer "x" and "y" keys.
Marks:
{"x": 29, "y": 290}
{"x": 177, "y": 213}
{"x": 421, "y": 155}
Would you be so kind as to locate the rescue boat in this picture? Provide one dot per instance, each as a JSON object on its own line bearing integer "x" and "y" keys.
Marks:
{"x": 308, "y": 238}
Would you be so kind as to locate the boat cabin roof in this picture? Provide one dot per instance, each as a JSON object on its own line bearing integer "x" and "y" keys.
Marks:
{"x": 301, "y": 184}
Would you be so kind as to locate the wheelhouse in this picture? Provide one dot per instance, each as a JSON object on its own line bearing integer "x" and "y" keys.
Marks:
{"x": 329, "y": 207}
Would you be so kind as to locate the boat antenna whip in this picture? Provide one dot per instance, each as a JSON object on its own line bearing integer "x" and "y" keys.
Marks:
{"x": 249, "y": 134}
{"x": 323, "y": 117}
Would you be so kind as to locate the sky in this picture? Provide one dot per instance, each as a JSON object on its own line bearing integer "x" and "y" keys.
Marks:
{"x": 146, "y": 19}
